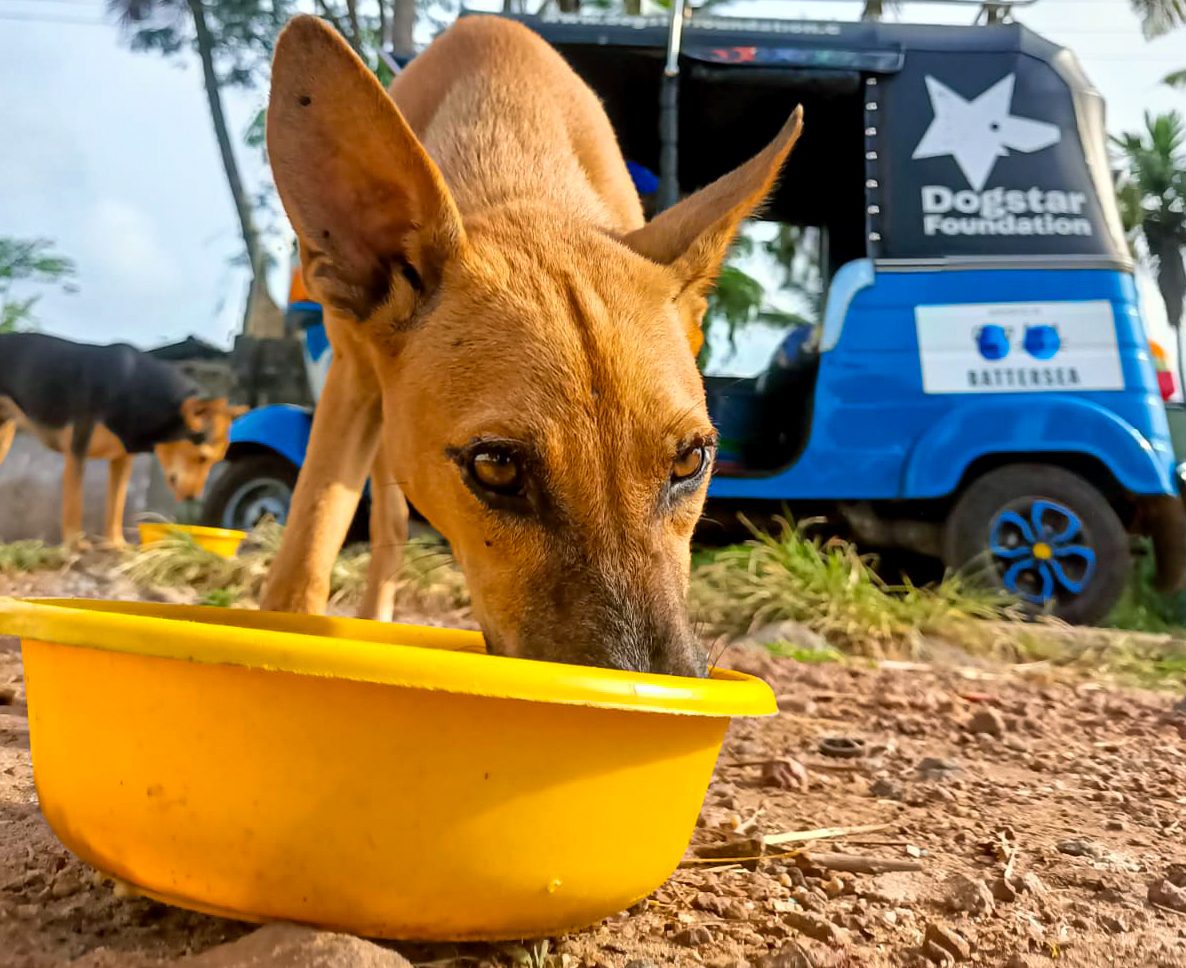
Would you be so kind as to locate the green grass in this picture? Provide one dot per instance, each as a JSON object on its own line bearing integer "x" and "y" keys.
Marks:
{"x": 221, "y": 597}
{"x": 429, "y": 579}
{"x": 785, "y": 650}
{"x": 833, "y": 590}
{"x": 19, "y": 556}
{"x": 826, "y": 585}
{"x": 1143, "y": 609}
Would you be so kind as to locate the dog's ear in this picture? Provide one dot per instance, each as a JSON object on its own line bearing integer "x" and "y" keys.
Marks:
{"x": 196, "y": 411}
{"x": 375, "y": 219}
{"x": 694, "y": 236}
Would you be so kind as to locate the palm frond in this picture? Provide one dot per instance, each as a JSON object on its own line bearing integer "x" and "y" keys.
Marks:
{"x": 1159, "y": 17}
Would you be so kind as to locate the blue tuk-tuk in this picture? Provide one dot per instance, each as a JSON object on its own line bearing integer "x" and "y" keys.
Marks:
{"x": 970, "y": 378}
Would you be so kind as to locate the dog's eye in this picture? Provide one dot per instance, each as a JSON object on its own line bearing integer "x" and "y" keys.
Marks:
{"x": 497, "y": 471}
{"x": 689, "y": 463}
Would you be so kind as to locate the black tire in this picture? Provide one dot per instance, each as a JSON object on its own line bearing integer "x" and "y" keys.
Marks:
{"x": 249, "y": 487}
{"x": 227, "y": 502}
{"x": 990, "y": 514}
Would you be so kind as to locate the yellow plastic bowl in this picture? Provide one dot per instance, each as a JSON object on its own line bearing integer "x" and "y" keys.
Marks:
{"x": 390, "y": 781}
{"x": 220, "y": 541}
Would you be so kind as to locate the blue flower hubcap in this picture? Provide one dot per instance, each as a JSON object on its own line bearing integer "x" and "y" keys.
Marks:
{"x": 1041, "y": 551}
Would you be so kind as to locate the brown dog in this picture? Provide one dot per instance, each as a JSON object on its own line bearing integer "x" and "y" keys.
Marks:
{"x": 510, "y": 331}
{"x": 109, "y": 403}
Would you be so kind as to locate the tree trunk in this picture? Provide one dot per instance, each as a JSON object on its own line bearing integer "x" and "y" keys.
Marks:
{"x": 403, "y": 27}
{"x": 1171, "y": 280}
{"x": 355, "y": 29}
{"x": 569, "y": 6}
{"x": 329, "y": 15}
{"x": 384, "y": 38}
{"x": 632, "y": 8}
{"x": 255, "y": 255}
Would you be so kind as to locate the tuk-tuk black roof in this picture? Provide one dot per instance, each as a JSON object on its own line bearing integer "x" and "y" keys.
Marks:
{"x": 870, "y": 89}
{"x": 873, "y": 39}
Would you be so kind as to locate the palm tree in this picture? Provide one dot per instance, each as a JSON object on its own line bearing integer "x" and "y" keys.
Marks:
{"x": 243, "y": 30}
{"x": 1152, "y": 195}
{"x": 1160, "y": 17}
{"x": 25, "y": 261}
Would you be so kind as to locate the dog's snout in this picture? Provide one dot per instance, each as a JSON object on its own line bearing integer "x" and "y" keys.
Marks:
{"x": 614, "y": 624}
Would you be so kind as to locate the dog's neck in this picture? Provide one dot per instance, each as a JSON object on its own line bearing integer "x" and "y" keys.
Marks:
{"x": 490, "y": 163}
{"x": 506, "y": 123}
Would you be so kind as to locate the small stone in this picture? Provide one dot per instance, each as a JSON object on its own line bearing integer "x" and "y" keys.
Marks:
{"x": 26, "y": 911}
{"x": 792, "y": 956}
{"x": 693, "y": 937}
{"x": 1116, "y": 825}
{"x": 1113, "y": 925}
{"x": 64, "y": 884}
{"x": 937, "y": 768}
{"x": 797, "y": 705}
{"x": 1030, "y": 883}
{"x": 7, "y": 695}
{"x": 641, "y": 963}
{"x": 806, "y": 897}
{"x": 969, "y": 895}
{"x": 987, "y": 721}
{"x": 1002, "y": 890}
{"x": 816, "y": 928}
{"x": 940, "y": 956}
{"x": 948, "y": 940}
{"x": 885, "y": 789}
{"x": 1076, "y": 847}
{"x": 834, "y": 887}
{"x": 1167, "y": 894}
{"x": 712, "y": 903}
{"x": 784, "y": 774}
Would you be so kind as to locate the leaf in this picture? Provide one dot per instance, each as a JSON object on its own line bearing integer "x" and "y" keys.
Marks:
{"x": 1176, "y": 80}
{"x": 1159, "y": 16}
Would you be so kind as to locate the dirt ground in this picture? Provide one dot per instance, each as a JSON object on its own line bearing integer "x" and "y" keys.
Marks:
{"x": 1037, "y": 820}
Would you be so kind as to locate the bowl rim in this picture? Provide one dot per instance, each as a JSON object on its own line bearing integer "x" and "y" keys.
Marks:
{"x": 412, "y": 656}
{"x": 197, "y": 530}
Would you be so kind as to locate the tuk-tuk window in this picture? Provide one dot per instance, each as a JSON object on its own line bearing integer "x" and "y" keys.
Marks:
{"x": 771, "y": 286}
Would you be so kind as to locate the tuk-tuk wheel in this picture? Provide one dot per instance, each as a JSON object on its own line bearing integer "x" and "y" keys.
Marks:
{"x": 250, "y": 489}
{"x": 1044, "y": 535}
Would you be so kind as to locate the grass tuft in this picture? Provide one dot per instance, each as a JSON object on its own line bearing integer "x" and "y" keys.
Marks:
{"x": 833, "y": 590}
{"x": 429, "y": 580}
{"x": 19, "y": 556}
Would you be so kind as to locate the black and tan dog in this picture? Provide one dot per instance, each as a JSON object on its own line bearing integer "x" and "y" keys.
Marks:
{"x": 109, "y": 403}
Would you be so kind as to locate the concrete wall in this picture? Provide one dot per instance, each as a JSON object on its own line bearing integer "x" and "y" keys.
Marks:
{"x": 31, "y": 492}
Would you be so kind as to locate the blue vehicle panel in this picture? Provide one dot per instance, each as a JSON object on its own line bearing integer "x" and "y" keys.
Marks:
{"x": 279, "y": 427}
{"x": 877, "y": 435}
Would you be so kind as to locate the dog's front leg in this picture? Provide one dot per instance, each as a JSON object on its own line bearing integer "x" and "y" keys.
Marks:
{"x": 119, "y": 473}
{"x": 72, "y": 485}
{"x": 389, "y": 534}
{"x": 341, "y": 450}
{"x": 75, "y": 452}
{"x": 7, "y": 434}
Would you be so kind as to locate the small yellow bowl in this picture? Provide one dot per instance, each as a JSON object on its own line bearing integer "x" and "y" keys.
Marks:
{"x": 220, "y": 541}
{"x": 385, "y": 780}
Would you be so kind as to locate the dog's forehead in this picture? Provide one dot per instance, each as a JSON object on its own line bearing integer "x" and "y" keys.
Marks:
{"x": 570, "y": 337}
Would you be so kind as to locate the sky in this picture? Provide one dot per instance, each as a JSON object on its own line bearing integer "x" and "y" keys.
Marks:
{"x": 111, "y": 154}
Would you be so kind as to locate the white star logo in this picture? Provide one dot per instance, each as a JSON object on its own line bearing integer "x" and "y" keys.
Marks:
{"x": 978, "y": 132}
